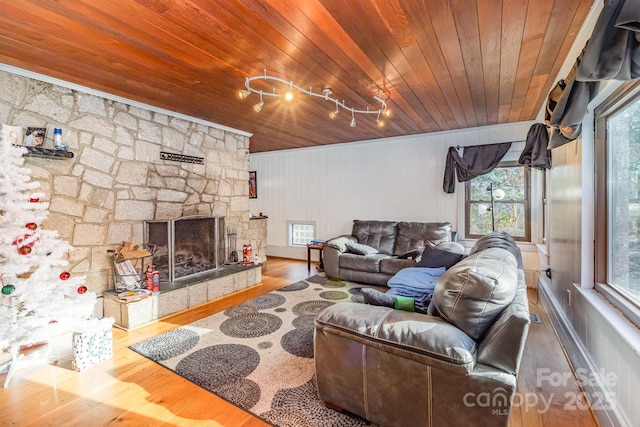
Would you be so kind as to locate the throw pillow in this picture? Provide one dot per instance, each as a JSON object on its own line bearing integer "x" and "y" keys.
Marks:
{"x": 360, "y": 249}
{"x": 473, "y": 293}
{"x": 433, "y": 257}
{"x": 411, "y": 254}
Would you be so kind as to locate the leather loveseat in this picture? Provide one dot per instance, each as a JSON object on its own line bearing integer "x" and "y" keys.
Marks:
{"x": 376, "y": 250}
{"x": 453, "y": 367}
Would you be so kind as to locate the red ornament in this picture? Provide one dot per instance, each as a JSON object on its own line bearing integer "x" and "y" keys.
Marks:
{"x": 31, "y": 225}
{"x": 65, "y": 275}
{"x": 53, "y": 322}
{"x": 82, "y": 289}
{"x": 34, "y": 199}
{"x": 24, "y": 250}
{"x": 28, "y": 239}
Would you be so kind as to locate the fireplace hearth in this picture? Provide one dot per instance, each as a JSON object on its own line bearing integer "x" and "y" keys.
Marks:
{"x": 187, "y": 246}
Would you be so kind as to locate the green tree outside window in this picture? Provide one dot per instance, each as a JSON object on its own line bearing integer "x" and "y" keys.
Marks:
{"x": 510, "y": 184}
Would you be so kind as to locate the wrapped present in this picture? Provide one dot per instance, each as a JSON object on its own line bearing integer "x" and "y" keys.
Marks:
{"x": 92, "y": 344}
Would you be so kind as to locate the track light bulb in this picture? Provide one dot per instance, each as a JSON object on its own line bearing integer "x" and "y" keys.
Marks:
{"x": 244, "y": 93}
{"x": 353, "y": 122}
{"x": 289, "y": 95}
{"x": 334, "y": 114}
{"x": 387, "y": 113}
{"x": 380, "y": 123}
{"x": 258, "y": 107}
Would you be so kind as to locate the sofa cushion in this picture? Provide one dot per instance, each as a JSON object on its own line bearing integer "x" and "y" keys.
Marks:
{"x": 369, "y": 263}
{"x": 474, "y": 292}
{"x": 425, "y": 339}
{"x": 339, "y": 243}
{"x": 378, "y": 234}
{"x": 435, "y": 257}
{"x": 360, "y": 249}
{"x": 412, "y": 235}
{"x": 392, "y": 265}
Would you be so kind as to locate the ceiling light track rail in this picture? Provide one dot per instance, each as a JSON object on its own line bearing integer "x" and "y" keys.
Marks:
{"x": 380, "y": 112}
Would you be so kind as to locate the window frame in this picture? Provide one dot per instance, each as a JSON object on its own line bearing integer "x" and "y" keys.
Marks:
{"x": 290, "y": 237}
{"x": 629, "y": 305}
{"x": 527, "y": 203}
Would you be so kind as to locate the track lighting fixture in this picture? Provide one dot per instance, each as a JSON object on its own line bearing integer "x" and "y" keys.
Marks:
{"x": 325, "y": 93}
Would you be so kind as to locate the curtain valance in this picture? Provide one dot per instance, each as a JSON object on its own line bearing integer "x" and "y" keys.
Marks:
{"x": 475, "y": 160}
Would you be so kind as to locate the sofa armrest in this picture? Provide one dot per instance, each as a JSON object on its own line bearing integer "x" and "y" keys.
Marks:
{"x": 503, "y": 345}
{"x": 426, "y": 339}
{"x": 331, "y": 253}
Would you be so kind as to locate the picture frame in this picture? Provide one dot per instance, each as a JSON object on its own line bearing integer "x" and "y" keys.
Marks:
{"x": 35, "y": 137}
{"x": 253, "y": 185}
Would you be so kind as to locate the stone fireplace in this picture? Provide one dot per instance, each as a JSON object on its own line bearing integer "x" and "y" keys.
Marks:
{"x": 187, "y": 247}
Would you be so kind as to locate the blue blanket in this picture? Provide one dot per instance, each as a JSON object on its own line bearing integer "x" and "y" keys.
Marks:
{"x": 417, "y": 283}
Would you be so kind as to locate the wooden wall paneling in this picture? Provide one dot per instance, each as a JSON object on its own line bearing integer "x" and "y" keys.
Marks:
{"x": 447, "y": 35}
{"x": 468, "y": 29}
{"x": 369, "y": 39}
{"x": 513, "y": 16}
{"x": 538, "y": 14}
{"x": 559, "y": 38}
{"x": 443, "y": 64}
{"x": 490, "y": 44}
{"x": 418, "y": 14}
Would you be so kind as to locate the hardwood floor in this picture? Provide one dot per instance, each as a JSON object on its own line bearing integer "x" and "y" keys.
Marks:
{"x": 131, "y": 390}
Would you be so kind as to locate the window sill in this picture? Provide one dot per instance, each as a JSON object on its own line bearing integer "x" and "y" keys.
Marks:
{"x": 627, "y": 330}
{"x": 619, "y": 303}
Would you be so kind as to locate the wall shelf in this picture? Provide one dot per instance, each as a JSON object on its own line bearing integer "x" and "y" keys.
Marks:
{"x": 48, "y": 153}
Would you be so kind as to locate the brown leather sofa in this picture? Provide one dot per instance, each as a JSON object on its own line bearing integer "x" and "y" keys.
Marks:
{"x": 456, "y": 366}
{"x": 390, "y": 239}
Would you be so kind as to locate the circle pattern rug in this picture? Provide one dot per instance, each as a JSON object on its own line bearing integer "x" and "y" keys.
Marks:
{"x": 258, "y": 355}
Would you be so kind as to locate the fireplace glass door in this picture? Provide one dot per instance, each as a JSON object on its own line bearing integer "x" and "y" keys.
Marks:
{"x": 187, "y": 246}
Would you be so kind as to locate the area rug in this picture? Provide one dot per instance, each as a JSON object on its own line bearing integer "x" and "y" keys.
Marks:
{"x": 259, "y": 355}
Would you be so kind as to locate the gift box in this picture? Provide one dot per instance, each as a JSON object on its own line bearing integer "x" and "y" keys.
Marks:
{"x": 92, "y": 344}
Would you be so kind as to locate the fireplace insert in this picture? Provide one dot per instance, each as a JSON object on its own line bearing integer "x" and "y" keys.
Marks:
{"x": 187, "y": 246}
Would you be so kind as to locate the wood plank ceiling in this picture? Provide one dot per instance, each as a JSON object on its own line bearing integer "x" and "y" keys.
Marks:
{"x": 442, "y": 64}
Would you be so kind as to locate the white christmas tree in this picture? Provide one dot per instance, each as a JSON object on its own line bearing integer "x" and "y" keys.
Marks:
{"x": 40, "y": 299}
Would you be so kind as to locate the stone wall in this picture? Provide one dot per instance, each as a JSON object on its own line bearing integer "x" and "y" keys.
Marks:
{"x": 116, "y": 179}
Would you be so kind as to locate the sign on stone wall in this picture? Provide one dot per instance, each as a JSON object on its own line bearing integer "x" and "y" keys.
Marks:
{"x": 181, "y": 158}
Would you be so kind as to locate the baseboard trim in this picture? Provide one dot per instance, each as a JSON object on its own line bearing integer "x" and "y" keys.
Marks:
{"x": 608, "y": 414}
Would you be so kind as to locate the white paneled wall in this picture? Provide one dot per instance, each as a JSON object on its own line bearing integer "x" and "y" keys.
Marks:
{"x": 385, "y": 179}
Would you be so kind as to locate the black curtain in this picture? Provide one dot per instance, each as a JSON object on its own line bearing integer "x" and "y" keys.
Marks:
{"x": 567, "y": 106}
{"x": 536, "y": 153}
{"x": 475, "y": 161}
{"x": 612, "y": 53}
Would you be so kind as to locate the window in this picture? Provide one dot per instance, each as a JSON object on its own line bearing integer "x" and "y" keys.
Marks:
{"x": 301, "y": 233}
{"x": 509, "y": 210}
{"x": 618, "y": 199}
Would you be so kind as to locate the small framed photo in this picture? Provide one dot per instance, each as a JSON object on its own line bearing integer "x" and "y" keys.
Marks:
{"x": 35, "y": 137}
{"x": 253, "y": 185}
